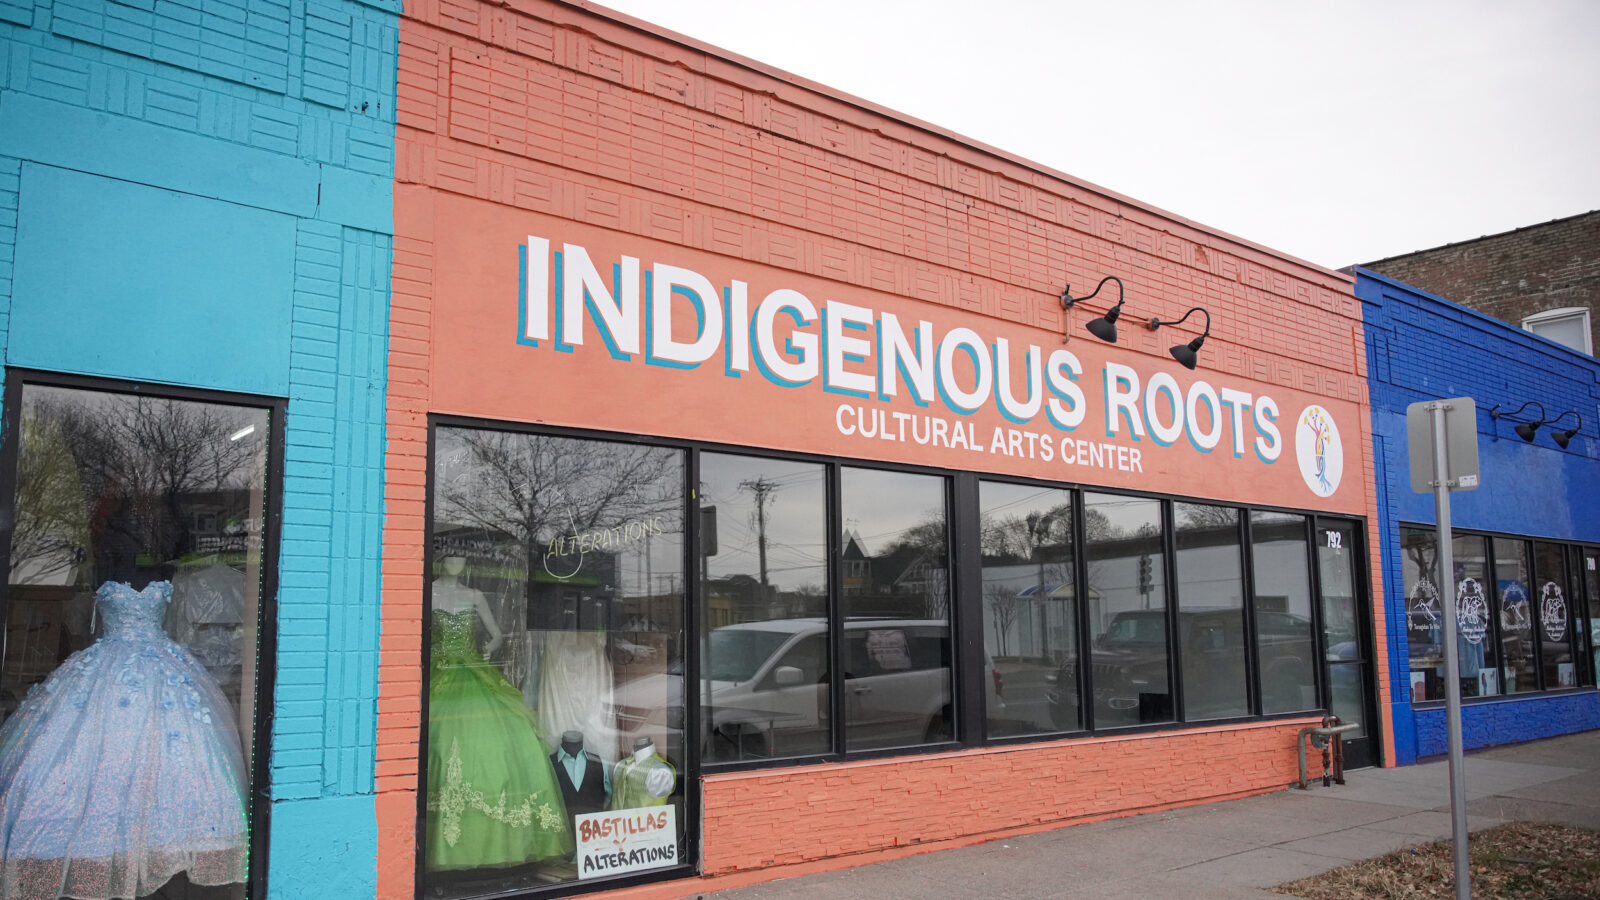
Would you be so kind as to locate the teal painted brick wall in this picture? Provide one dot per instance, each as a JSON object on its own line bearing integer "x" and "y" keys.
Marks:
{"x": 333, "y": 514}
{"x": 236, "y": 112}
{"x": 10, "y": 183}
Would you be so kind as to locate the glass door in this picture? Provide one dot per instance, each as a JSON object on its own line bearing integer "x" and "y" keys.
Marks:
{"x": 1347, "y": 637}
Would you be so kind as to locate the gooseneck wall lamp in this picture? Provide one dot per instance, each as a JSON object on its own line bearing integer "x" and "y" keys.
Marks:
{"x": 1563, "y": 438}
{"x": 1525, "y": 430}
{"x": 1105, "y": 327}
{"x": 1187, "y": 354}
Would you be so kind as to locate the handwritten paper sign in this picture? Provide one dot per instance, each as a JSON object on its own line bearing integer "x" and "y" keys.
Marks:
{"x": 626, "y": 840}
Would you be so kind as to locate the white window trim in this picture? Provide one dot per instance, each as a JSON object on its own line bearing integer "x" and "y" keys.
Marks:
{"x": 1565, "y": 312}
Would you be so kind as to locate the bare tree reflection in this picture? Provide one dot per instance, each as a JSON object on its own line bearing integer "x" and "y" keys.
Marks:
{"x": 117, "y": 472}
{"x": 51, "y": 530}
{"x": 540, "y": 492}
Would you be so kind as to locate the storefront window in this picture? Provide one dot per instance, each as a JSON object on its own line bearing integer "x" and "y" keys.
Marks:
{"x": 1553, "y": 614}
{"x": 1517, "y": 674}
{"x": 1030, "y": 614}
{"x": 1591, "y": 581}
{"x": 131, "y": 627}
{"x": 765, "y": 657}
{"x": 1475, "y": 656}
{"x": 895, "y": 562}
{"x": 1211, "y": 612}
{"x": 1284, "y": 637}
{"x": 1127, "y": 602}
{"x": 555, "y": 705}
{"x": 1419, "y": 563}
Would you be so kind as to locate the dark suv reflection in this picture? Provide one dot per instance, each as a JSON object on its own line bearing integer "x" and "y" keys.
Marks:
{"x": 1130, "y": 667}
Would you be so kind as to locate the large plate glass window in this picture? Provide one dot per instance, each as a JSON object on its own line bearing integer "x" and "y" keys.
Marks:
{"x": 1211, "y": 612}
{"x": 1553, "y": 613}
{"x": 1030, "y": 613}
{"x": 895, "y": 574}
{"x": 1475, "y": 644}
{"x": 1518, "y": 672}
{"x": 764, "y": 660}
{"x": 555, "y": 701}
{"x": 1127, "y": 600}
{"x": 1284, "y": 636}
{"x": 132, "y": 621}
{"x": 1419, "y": 566}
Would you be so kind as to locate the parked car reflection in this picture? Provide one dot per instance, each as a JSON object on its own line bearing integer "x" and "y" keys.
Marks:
{"x": 1130, "y": 667}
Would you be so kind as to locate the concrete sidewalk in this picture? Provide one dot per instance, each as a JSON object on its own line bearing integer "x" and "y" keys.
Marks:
{"x": 1240, "y": 848}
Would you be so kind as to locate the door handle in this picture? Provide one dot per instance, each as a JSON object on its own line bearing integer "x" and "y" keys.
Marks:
{"x": 862, "y": 690}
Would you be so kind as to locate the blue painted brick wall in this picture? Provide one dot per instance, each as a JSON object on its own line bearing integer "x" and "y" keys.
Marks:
{"x": 1508, "y": 721}
{"x": 251, "y": 111}
{"x": 1423, "y": 347}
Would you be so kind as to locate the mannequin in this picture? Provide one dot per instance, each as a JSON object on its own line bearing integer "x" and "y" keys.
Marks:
{"x": 452, "y": 596}
{"x": 643, "y": 779}
{"x": 493, "y": 797}
{"x": 588, "y": 790}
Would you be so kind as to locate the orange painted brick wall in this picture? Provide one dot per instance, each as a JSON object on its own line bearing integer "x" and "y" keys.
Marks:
{"x": 788, "y": 816}
{"x": 569, "y": 112}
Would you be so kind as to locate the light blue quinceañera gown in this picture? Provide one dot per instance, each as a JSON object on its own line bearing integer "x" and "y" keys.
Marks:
{"x": 122, "y": 768}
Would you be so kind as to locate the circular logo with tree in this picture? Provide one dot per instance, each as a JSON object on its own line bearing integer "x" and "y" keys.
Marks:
{"x": 1318, "y": 450}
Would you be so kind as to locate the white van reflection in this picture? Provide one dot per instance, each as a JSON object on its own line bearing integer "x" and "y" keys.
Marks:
{"x": 766, "y": 688}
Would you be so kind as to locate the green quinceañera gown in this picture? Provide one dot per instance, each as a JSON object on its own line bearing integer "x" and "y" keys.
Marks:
{"x": 492, "y": 794}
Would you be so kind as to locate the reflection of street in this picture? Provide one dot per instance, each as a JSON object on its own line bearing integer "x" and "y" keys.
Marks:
{"x": 1026, "y": 683}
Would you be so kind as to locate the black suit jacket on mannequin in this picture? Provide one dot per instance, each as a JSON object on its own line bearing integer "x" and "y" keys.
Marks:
{"x": 591, "y": 796}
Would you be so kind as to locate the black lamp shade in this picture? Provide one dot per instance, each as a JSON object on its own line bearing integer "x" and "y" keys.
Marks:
{"x": 1564, "y": 438}
{"x": 1188, "y": 354}
{"x": 1527, "y": 430}
{"x": 1105, "y": 327}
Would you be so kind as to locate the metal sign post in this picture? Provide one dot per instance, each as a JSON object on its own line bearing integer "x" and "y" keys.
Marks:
{"x": 1443, "y": 426}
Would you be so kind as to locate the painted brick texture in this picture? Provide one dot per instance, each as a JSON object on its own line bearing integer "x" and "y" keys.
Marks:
{"x": 328, "y": 623}
{"x": 184, "y": 74}
{"x": 286, "y": 107}
{"x": 1509, "y": 721}
{"x": 759, "y": 819}
{"x": 10, "y": 186}
{"x": 563, "y": 111}
{"x": 1425, "y": 347}
{"x": 1513, "y": 275}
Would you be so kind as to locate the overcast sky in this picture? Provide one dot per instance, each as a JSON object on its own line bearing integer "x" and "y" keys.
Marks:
{"x": 1338, "y": 132}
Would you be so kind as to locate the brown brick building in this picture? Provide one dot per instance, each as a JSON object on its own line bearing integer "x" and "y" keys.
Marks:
{"x": 1544, "y": 277}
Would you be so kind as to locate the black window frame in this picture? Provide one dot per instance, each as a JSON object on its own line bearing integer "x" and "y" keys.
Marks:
{"x": 689, "y": 770}
{"x": 961, "y": 490}
{"x": 1580, "y": 640}
{"x": 266, "y": 670}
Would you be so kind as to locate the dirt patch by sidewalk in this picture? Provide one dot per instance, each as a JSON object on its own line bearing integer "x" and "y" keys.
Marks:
{"x": 1517, "y": 861}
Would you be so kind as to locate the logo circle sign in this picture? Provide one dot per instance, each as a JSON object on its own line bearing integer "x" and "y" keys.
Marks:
{"x": 1472, "y": 611}
{"x": 1423, "y": 614}
{"x": 1318, "y": 450}
{"x": 1553, "y": 611}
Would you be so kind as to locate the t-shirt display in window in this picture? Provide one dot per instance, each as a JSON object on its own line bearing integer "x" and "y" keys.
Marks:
{"x": 493, "y": 798}
{"x": 123, "y": 768}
